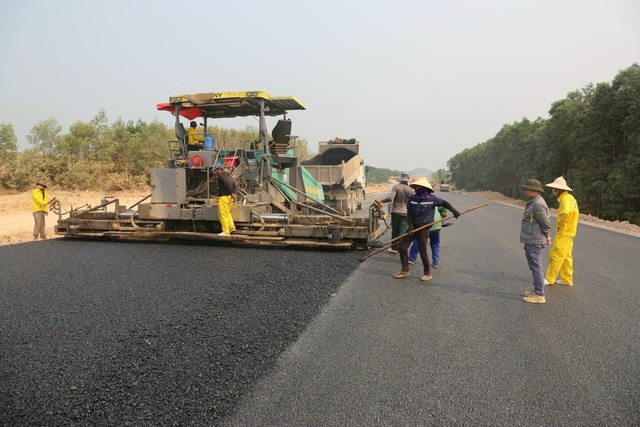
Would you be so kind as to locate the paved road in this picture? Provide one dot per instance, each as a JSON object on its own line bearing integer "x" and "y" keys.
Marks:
{"x": 113, "y": 334}
{"x": 128, "y": 334}
{"x": 464, "y": 349}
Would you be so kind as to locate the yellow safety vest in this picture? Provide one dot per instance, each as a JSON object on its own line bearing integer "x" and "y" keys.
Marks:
{"x": 193, "y": 136}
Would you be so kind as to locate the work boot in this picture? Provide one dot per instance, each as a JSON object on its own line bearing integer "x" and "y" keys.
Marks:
{"x": 435, "y": 265}
{"x": 412, "y": 261}
{"x": 534, "y": 298}
{"x": 560, "y": 282}
{"x": 529, "y": 293}
{"x": 426, "y": 278}
{"x": 224, "y": 234}
{"x": 401, "y": 274}
{"x": 546, "y": 283}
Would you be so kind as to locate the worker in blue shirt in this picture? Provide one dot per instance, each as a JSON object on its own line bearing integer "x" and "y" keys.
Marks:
{"x": 420, "y": 211}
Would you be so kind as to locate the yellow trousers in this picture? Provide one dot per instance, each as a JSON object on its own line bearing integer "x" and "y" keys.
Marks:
{"x": 224, "y": 214}
{"x": 561, "y": 260}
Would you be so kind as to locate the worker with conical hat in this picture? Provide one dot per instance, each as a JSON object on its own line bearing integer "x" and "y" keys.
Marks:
{"x": 560, "y": 256}
{"x": 420, "y": 211}
{"x": 434, "y": 240}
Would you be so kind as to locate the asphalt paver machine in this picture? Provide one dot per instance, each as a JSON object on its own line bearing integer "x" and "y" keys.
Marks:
{"x": 279, "y": 203}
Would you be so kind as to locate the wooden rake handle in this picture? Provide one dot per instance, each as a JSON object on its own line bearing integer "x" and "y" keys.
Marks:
{"x": 388, "y": 245}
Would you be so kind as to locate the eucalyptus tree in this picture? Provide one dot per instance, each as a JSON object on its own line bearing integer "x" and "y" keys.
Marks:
{"x": 8, "y": 140}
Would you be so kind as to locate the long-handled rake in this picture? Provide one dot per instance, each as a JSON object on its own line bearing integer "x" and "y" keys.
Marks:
{"x": 388, "y": 245}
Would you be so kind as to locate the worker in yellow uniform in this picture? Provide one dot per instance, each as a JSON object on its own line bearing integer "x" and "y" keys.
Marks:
{"x": 195, "y": 141}
{"x": 40, "y": 199}
{"x": 226, "y": 196}
{"x": 560, "y": 257}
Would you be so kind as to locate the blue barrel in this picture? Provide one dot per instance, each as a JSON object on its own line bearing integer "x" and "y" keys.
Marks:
{"x": 208, "y": 142}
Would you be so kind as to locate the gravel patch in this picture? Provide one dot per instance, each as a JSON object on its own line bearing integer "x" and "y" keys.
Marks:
{"x": 95, "y": 333}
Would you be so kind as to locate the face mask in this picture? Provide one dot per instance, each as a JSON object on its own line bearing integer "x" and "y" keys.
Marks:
{"x": 421, "y": 190}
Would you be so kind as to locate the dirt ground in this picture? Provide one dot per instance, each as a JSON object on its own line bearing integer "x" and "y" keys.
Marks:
{"x": 16, "y": 219}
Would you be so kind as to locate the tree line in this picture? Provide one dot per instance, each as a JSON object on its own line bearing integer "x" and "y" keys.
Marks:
{"x": 592, "y": 138}
{"x": 376, "y": 175}
{"x": 99, "y": 155}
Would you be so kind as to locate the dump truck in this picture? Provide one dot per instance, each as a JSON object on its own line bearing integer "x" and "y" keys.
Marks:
{"x": 279, "y": 203}
{"x": 340, "y": 170}
{"x": 444, "y": 186}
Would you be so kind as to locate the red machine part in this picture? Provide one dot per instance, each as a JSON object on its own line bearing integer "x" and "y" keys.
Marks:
{"x": 196, "y": 161}
{"x": 231, "y": 161}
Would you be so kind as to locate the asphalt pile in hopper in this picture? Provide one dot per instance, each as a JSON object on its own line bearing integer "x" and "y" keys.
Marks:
{"x": 97, "y": 333}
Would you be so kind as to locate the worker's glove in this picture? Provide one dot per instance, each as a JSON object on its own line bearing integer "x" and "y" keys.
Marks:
{"x": 456, "y": 213}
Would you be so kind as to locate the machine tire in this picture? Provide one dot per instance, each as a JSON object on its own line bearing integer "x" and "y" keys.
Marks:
{"x": 344, "y": 206}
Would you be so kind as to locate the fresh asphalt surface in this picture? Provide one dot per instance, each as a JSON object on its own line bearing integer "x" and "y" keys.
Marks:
{"x": 116, "y": 334}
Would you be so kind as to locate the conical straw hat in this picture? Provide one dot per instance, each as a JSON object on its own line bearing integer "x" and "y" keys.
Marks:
{"x": 422, "y": 182}
{"x": 559, "y": 183}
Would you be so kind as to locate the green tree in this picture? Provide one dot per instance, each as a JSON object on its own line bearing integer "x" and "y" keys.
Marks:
{"x": 8, "y": 140}
{"x": 468, "y": 168}
{"x": 79, "y": 142}
{"x": 613, "y": 123}
{"x": 144, "y": 148}
{"x": 8, "y": 155}
{"x": 302, "y": 149}
{"x": 45, "y": 137}
{"x": 439, "y": 176}
{"x": 234, "y": 139}
{"x": 376, "y": 175}
{"x": 592, "y": 138}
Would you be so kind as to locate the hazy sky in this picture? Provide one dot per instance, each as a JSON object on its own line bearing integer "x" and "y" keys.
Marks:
{"x": 415, "y": 81}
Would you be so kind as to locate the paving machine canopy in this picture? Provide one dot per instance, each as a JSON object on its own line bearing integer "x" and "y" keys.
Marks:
{"x": 231, "y": 104}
